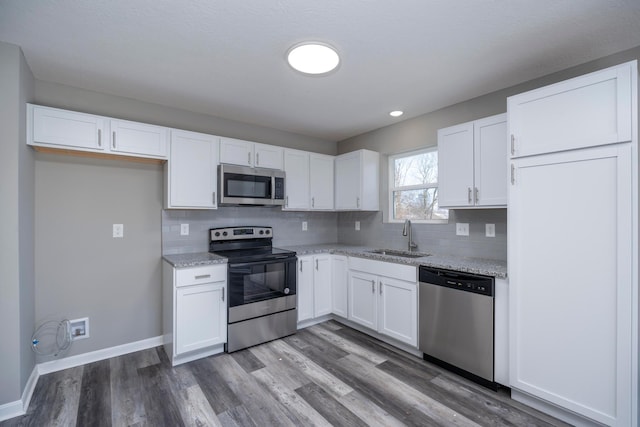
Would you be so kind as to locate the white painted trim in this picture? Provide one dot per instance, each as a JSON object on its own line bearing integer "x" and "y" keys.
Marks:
{"x": 11, "y": 409}
{"x": 553, "y": 410}
{"x": 95, "y": 356}
{"x": 29, "y": 387}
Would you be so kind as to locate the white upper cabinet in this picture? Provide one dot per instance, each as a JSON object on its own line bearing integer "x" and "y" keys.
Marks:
{"x": 321, "y": 181}
{"x": 66, "y": 129}
{"x": 357, "y": 181}
{"x": 191, "y": 172}
{"x": 296, "y": 168}
{"x": 56, "y": 128}
{"x": 472, "y": 164}
{"x": 591, "y": 110}
{"x": 133, "y": 138}
{"x": 246, "y": 153}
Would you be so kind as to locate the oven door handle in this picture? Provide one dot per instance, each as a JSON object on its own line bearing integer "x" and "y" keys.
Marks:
{"x": 277, "y": 260}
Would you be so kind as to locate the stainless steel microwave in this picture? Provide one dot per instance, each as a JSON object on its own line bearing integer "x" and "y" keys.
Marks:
{"x": 242, "y": 185}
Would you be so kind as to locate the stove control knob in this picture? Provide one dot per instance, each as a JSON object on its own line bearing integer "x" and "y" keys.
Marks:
{"x": 261, "y": 231}
{"x": 224, "y": 233}
{"x": 217, "y": 234}
{"x": 267, "y": 231}
{"x": 286, "y": 291}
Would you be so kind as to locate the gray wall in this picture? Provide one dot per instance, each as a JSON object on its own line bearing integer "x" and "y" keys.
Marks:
{"x": 322, "y": 227}
{"x": 16, "y": 226}
{"x": 81, "y": 270}
{"x": 420, "y": 132}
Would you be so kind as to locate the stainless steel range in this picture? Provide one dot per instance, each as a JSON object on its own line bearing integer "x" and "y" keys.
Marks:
{"x": 261, "y": 281}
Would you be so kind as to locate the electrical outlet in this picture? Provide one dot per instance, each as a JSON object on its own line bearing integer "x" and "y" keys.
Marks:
{"x": 79, "y": 328}
{"x": 118, "y": 230}
{"x": 462, "y": 228}
{"x": 184, "y": 229}
{"x": 357, "y": 225}
{"x": 490, "y": 230}
{"x": 304, "y": 225}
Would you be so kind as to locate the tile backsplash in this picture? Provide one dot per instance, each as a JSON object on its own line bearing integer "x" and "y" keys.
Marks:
{"x": 334, "y": 227}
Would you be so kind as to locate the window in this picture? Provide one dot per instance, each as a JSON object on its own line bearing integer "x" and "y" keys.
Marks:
{"x": 413, "y": 187}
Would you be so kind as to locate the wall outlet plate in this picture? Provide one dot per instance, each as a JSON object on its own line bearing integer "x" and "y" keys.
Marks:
{"x": 357, "y": 225}
{"x": 462, "y": 228}
{"x": 304, "y": 226}
{"x": 118, "y": 230}
{"x": 490, "y": 230}
{"x": 184, "y": 229}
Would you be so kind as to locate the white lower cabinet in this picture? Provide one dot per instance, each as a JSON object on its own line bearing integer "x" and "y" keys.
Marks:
{"x": 340, "y": 284}
{"x": 314, "y": 286}
{"x": 194, "y": 311}
{"x": 384, "y": 297}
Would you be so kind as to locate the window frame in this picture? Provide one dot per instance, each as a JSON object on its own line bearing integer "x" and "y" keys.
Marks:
{"x": 391, "y": 188}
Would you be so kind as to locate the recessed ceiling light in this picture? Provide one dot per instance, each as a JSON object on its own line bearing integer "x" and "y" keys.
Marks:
{"x": 314, "y": 58}
{"x": 396, "y": 113}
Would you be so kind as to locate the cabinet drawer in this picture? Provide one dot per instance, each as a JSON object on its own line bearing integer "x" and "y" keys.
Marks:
{"x": 198, "y": 275}
{"x": 408, "y": 273}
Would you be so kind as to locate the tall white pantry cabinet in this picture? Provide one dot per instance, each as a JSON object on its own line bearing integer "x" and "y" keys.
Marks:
{"x": 573, "y": 247}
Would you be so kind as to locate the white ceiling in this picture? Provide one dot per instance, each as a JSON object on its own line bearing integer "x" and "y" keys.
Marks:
{"x": 227, "y": 58}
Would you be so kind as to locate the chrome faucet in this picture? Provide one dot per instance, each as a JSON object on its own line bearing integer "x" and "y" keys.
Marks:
{"x": 407, "y": 229}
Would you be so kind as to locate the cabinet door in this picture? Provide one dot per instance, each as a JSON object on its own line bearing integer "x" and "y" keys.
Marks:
{"x": 455, "y": 166}
{"x": 201, "y": 316}
{"x": 138, "y": 139}
{"x": 321, "y": 181}
{"x": 340, "y": 277}
{"x": 363, "y": 299}
{"x": 192, "y": 170}
{"x": 591, "y": 110}
{"x": 322, "y": 288}
{"x": 296, "y": 167}
{"x": 268, "y": 156}
{"x": 236, "y": 152}
{"x": 398, "y": 310}
{"x": 570, "y": 280}
{"x": 305, "y": 288}
{"x": 490, "y": 161}
{"x": 51, "y": 126}
{"x": 347, "y": 184}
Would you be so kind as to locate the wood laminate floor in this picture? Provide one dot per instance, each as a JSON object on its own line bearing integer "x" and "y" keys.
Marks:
{"x": 328, "y": 374}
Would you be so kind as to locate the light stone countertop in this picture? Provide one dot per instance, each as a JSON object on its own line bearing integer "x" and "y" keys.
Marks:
{"x": 486, "y": 267}
{"x": 195, "y": 259}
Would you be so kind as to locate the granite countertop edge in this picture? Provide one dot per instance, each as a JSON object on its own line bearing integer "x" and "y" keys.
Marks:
{"x": 487, "y": 267}
{"x": 481, "y": 266}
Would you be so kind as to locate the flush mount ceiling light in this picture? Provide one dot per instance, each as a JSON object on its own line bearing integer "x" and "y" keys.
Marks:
{"x": 314, "y": 58}
{"x": 396, "y": 113}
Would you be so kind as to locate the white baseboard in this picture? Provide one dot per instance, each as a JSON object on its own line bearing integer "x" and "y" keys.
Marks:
{"x": 11, "y": 409}
{"x": 19, "y": 407}
{"x": 95, "y": 356}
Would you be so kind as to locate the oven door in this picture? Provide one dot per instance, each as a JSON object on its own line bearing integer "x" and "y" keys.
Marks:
{"x": 259, "y": 288}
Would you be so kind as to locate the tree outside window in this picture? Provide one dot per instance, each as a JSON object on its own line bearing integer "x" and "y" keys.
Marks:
{"x": 413, "y": 187}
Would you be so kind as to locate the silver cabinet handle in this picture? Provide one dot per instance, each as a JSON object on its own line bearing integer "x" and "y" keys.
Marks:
{"x": 300, "y": 266}
{"x": 257, "y": 159}
{"x": 286, "y": 201}
{"x": 513, "y": 144}
{"x": 373, "y": 286}
{"x": 204, "y": 276}
{"x": 476, "y": 195}
{"x": 114, "y": 139}
{"x": 222, "y": 294}
{"x": 249, "y": 158}
{"x": 381, "y": 287}
{"x": 469, "y": 194}
{"x": 99, "y": 137}
{"x": 316, "y": 264}
{"x": 313, "y": 202}
{"x": 215, "y": 202}
{"x": 513, "y": 174}
{"x": 357, "y": 202}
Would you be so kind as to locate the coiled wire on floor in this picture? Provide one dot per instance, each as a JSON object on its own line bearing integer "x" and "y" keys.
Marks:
{"x": 52, "y": 338}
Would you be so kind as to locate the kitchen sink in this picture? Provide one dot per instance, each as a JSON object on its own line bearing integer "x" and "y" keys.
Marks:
{"x": 395, "y": 252}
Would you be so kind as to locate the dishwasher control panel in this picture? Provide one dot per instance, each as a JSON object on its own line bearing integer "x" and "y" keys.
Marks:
{"x": 456, "y": 280}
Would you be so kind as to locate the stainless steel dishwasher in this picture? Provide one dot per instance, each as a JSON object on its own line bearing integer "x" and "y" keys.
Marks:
{"x": 456, "y": 322}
